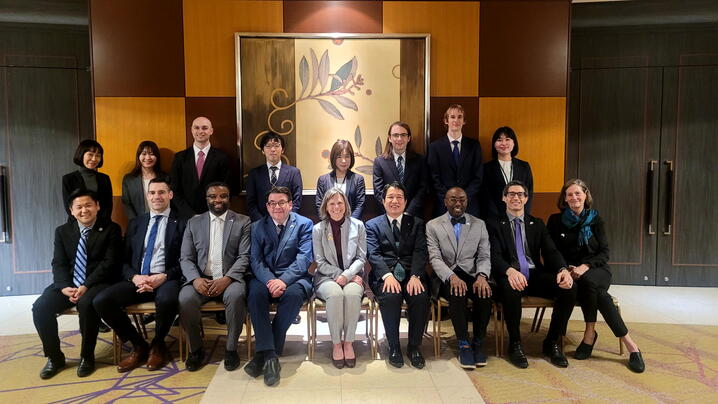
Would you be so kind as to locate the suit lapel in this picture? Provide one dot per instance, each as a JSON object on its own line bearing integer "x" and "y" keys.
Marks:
{"x": 392, "y": 167}
{"x": 226, "y": 232}
{"x": 446, "y": 145}
{"x": 509, "y": 236}
{"x": 92, "y": 237}
{"x": 289, "y": 229}
{"x": 139, "y": 241}
{"x": 387, "y": 229}
{"x": 349, "y": 181}
{"x": 281, "y": 178}
{"x": 171, "y": 229}
{"x": 465, "y": 229}
{"x": 446, "y": 224}
{"x": 407, "y": 222}
{"x": 329, "y": 236}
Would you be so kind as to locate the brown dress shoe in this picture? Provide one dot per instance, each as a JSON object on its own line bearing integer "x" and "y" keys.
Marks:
{"x": 158, "y": 356}
{"x": 136, "y": 358}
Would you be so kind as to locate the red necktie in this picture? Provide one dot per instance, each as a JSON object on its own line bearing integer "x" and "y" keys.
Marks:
{"x": 200, "y": 163}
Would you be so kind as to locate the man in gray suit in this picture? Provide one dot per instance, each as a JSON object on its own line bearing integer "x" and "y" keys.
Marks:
{"x": 214, "y": 260}
{"x": 459, "y": 252}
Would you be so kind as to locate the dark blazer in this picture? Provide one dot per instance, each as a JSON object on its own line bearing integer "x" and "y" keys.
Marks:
{"x": 445, "y": 174}
{"x": 595, "y": 253}
{"x": 258, "y": 184}
{"x": 104, "y": 250}
{"x": 135, "y": 243}
{"x": 382, "y": 251}
{"x": 73, "y": 181}
{"x": 189, "y": 191}
{"x": 541, "y": 248}
{"x": 133, "y": 196}
{"x": 287, "y": 259}
{"x": 415, "y": 181}
{"x": 355, "y": 191}
{"x": 493, "y": 183}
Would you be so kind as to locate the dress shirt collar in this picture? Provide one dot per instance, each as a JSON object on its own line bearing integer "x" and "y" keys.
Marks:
{"x": 81, "y": 226}
{"x": 223, "y": 216}
{"x": 396, "y": 156}
{"x": 451, "y": 139}
{"x": 276, "y": 223}
{"x": 398, "y": 219}
{"x": 278, "y": 165}
{"x": 512, "y": 217}
{"x": 197, "y": 149}
{"x": 165, "y": 213}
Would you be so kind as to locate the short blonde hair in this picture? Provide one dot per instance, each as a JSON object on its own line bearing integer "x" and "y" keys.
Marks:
{"x": 561, "y": 203}
{"x": 331, "y": 193}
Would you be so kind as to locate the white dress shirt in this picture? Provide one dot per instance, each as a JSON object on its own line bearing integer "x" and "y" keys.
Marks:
{"x": 214, "y": 257}
{"x": 157, "y": 265}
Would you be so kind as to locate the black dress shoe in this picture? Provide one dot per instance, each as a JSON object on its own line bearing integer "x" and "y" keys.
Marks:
{"x": 583, "y": 351}
{"x": 395, "y": 357}
{"x": 517, "y": 356}
{"x": 415, "y": 358}
{"x": 254, "y": 367}
{"x": 52, "y": 367}
{"x": 195, "y": 360}
{"x": 553, "y": 351}
{"x": 635, "y": 362}
{"x": 271, "y": 371}
{"x": 221, "y": 318}
{"x": 350, "y": 363}
{"x": 297, "y": 319}
{"x": 231, "y": 360}
{"x": 338, "y": 363}
{"x": 86, "y": 368}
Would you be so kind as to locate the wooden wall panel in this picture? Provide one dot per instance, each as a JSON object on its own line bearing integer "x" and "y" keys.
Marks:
{"x": 454, "y": 29}
{"x": 540, "y": 126}
{"x": 123, "y": 122}
{"x": 333, "y": 16}
{"x": 413, "y": 89}
{"x": 209, "y": 27}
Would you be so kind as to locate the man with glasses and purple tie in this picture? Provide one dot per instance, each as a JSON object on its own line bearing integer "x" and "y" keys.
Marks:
{"x": 86, "y": 260}
{"x": 525, "y": 262}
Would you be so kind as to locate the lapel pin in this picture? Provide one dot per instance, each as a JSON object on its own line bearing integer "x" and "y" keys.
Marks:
{"x": 563, "y": 235}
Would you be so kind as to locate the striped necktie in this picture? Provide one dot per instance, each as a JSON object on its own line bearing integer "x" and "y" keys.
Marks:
{"x": 400, "y": 168}
{"x": 79, "y": 274}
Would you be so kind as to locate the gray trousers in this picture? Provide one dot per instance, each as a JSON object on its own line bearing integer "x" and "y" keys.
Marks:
{"x": 343, "y": 307}
{"x": 234, "y": 298}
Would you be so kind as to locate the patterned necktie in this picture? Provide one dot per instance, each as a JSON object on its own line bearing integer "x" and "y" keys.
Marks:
{"x": 457, "y": 222}
{"x": 273, "y": 177}
{"x": 216, "y": 240}
{"x": 519, "y": 240}
{"x": 150, "y": 248}
{"x": 280, "y": 231}
{"x": 400, "y": 168}
{"x": 79, "y": 274}
{"x": 455, "y": 152}
{"x": 200, "y": 163}
{"x": 399, "y": 272}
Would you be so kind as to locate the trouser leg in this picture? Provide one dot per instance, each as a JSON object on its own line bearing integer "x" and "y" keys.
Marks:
{"x": 353, "y": 294}
{"x": 287, "y": 309}
{"x": 44, "y": 315}
{"x": 333, "y": 297}
{"x": 234, "y": 298}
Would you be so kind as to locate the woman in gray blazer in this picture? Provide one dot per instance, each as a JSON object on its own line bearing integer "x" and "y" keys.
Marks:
{"x": 339, "y": 242}
{"x": 134, "y": 183}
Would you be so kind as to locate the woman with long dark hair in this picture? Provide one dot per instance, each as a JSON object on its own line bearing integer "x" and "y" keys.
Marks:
{"x": 135, "y": 183}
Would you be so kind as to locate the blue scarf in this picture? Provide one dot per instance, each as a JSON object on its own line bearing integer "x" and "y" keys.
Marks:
{"x": 583, "y": 221}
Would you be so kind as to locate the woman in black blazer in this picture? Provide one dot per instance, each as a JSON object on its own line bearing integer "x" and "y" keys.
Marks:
{"x": 579, "y": 234}
{"x": 134, "y": 183}
{"x": 503, "y": 168}
{"x": 88, "y": 156}
{"x": 341, "y": 158}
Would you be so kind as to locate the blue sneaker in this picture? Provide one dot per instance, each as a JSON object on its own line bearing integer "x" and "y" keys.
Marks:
{"x": 479, "y": 355}
{"x": 466, "y": 355}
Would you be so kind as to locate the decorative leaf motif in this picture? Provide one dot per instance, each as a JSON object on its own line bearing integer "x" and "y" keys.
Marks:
{"x": 353, "y": 70}
{"x": 315, "y": 70}
{"x": 336, "y": 83}
{"x": 377, "y": 146}
{"x": 330, "y": 109}
{"x": 345, "y": 71}
{"x": 357, "y": 136}
{"x": 365, "y": 169}
{"x": 346, "y": 102}
{"x": 303, "y": 74}
{"x": 324, "y": 70}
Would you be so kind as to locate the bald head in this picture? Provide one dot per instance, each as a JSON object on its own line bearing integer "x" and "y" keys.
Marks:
{"x": 456, "y": 201}
{"x": 201, "y": 131}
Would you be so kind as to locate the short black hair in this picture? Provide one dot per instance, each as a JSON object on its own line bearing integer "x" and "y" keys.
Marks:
{"x": 160, "y": 180}
{"x": 215, "y": 184}
{"x": 395, "y": 184}
{"x": 270, "y": 136}
{"x": 84, "y": 147}
{"x": 79, "y": 193}
{"x": 504, "y": 130}
{"x": 515, "y": 183}
{"x": 280, "y": 190}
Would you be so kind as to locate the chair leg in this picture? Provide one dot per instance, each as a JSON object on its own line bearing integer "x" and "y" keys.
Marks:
{"x": 114, "y": 347}
{"x": 437, "y": 335}
{"x": 538, "y": 325}
{"x": 180, "y": 342}
{"x": 248, "y": 328}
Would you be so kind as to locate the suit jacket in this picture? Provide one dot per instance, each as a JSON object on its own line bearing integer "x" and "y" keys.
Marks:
{"x": 73, "y": 181}
{"x": 235, "y": 247}
{"x": 493, "y": 183}
{"x": 133, "y": 196}
{"x": 135, "y": 245}
{"x": 445, "y": 174}
{"x": 383, "y": 253}
{"x": 415, "y": 181}
{"x": 189, "y": 191}
{"x": 355, "y": 190}
{"x": 325, "y": 252}
{"x": 540, "y": 245}
{"x": 104, "y": 247}
{"x": 472, "y": 253}
{"x": 258, "y": 184}
{"x": 287, "y": 259}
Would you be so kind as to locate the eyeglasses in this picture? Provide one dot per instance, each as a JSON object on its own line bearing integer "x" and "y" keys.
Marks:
{"x": 281, "y": 204}
{"x": 455, "y": 200}
{"x": 399, "y": 135}
{"x": 516, "y": 194}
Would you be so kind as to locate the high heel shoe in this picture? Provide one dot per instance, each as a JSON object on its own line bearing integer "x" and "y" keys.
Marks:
{"x": 584, "y": 350}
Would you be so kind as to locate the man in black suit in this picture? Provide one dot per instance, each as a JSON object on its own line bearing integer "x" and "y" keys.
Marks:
{"x": 85, "y": 261}
{"x": 400, "y": 164}
{"x": 525, "y": 262}
{"x": 455, "y": 161}
{"x": 196, "y": 167}
{"x": 396, "y": 246}
{"x": 151, "y": 272}
{"x": 274, "y": 173}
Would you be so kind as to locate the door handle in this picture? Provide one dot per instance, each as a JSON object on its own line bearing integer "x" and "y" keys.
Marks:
{"x": 649, "y": 195}
{"x": 4, "y": 206}
{"x": 669, "y": 198}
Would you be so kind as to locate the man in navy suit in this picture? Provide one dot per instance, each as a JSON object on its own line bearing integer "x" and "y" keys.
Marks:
{"x": 151, "y": 272}
{"x": 281, "y": 254}
{"x": 274, "y": 173}
{"x": 196, "y": 167}
{"x": 455, "y": 161}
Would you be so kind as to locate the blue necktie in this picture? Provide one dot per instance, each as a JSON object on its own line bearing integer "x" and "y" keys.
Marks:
{"x": 150, "y": 248}
{"x": 523, "y": 263}
{"x": 400, "y": 168}
{"x": 79, "y": 274}
{"x": 457, "y": 222}
{"x": 455, "y": 152}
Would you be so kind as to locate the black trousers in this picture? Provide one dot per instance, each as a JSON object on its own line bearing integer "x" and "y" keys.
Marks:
{"x": 51, "y": 303}
{"x": 111, "y": 301}
{"x": 593, "y": 297}
{"x": 390, "y": 307}
{"x": 541, "y": 284}
{"x": 480, "y": 314}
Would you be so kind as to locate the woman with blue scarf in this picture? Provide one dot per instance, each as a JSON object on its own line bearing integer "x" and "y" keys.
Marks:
{"x": 578, "y": 232}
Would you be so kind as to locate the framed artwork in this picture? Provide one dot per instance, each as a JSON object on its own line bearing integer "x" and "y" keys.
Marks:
{"x": 313, "y": 89}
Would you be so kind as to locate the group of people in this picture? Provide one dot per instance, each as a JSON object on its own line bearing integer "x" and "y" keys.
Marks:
{"x": 184, "y": 247}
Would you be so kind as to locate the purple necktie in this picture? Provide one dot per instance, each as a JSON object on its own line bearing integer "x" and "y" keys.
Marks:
{"x": 200, "y": 163}
{"x": 523, "y": 263}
